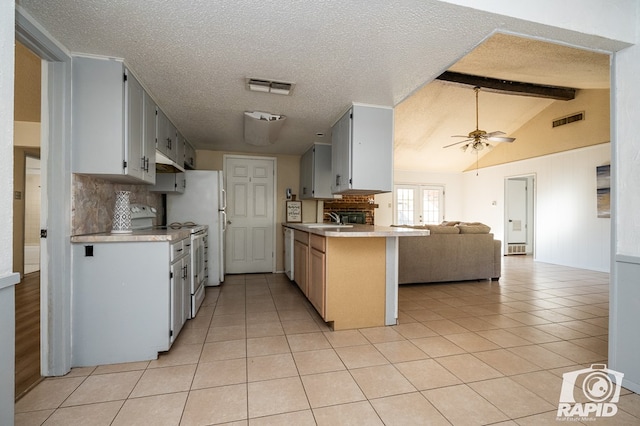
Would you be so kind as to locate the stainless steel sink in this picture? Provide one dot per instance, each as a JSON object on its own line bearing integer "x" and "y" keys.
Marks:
{"x": 326, "y": 225}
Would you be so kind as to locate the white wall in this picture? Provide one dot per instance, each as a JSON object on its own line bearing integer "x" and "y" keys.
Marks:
{"x": 567, "y": 229}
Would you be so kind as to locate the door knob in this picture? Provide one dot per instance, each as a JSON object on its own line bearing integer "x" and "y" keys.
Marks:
{"x": 228, "y": 222}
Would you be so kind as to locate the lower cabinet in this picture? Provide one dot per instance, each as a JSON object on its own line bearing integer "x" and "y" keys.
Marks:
{"x": 127, "y": 300}
{"x": 301, "y": 260}
{"x": 317, "y": 274}
{"x": 344, "y": 278}
{"x": 179, "y": 287}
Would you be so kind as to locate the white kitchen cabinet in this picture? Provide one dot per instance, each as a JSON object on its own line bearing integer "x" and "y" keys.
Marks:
{"x": 149, "y": 135}
{"x": 189, "y": 156}
{"x": 362, "y": 151}
{"x": 108, "y": 130}
{"x": 315, "y": 173}
{"x": 179, "y": 285}
{"x": 166, "y": 136}
{"x": 167, "y": 183}
{"x": 123, "y": 300}
{"x": 180, "y": 149}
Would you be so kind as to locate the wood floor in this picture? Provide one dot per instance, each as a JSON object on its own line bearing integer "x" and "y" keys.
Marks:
{"x": 27, "y": 333}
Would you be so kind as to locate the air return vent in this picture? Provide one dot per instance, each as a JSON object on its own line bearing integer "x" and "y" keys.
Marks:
{"x": 516, "y": 249}
{"x": 269, "y": 86}
{"x": 578, "y": 116}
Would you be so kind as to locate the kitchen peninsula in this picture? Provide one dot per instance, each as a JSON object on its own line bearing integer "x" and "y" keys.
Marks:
{"x": 349, "y": 272}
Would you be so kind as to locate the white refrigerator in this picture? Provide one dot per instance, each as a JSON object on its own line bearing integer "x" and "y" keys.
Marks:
{"x": 204, "y": 202}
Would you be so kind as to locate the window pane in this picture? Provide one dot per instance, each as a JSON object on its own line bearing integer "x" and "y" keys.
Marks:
{"x": 431, "y": 206}
{"x": 404, "y": 206}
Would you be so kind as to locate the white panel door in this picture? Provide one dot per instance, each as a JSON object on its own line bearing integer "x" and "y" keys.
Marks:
{"x": 250, "y": 215}
{"x": 517, "y": 211}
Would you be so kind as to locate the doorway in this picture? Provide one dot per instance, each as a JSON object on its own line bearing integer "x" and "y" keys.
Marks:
{"x": 27, "y": 215}
{"x": 250, "y": 235}
{"x": 519, "y": 198}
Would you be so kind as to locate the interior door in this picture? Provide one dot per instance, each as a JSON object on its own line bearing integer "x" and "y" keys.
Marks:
{"x": 250, "y": 215}
{"x": 516, "y": 211}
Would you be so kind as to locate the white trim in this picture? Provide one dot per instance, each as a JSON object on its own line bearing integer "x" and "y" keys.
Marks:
{"x": 55, "y": 274}
{"x": 9, "y": 280}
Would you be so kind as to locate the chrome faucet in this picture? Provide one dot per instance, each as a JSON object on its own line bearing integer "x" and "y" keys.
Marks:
{"x": 335, "y": 216}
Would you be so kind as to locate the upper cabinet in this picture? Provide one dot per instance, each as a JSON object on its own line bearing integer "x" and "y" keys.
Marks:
{"x": 315, "y": 173}
{"x": 111, "y": 123}
{"x": 362, "y": 151}
{"x": 189, "y": 156}
{"x": 166, "y": 137}
{"x": 170, "y": 183}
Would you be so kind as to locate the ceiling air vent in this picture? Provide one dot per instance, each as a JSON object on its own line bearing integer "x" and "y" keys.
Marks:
{"x": 269, "y": 86}
{"x": 579, "y": 116}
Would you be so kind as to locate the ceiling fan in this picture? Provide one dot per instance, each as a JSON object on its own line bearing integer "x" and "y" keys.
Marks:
{"x": 478, "y": 139}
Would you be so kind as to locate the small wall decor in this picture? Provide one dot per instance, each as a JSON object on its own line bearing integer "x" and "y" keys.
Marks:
{"x": 603, "y": 184}
{"x": 294, "y": 211}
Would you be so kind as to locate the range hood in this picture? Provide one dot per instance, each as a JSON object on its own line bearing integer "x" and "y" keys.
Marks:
{"x": 166, "y": 165}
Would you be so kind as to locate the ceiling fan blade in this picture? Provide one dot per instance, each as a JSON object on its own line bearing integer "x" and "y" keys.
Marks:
{"x": 460, "y": 136}
{"x": 500, "y": 139}
{"x": 496, "y": 133}
{"x": 458, "y": 143}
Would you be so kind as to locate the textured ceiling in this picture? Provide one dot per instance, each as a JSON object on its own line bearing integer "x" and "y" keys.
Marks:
{"x": 194, "y": 56}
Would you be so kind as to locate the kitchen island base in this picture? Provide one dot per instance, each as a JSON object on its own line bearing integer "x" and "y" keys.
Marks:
{"x": 349, "y": 273}
{"x": 356, "y": 282}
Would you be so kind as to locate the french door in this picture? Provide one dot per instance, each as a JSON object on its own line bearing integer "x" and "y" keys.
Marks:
{"x": 418, "y": 204}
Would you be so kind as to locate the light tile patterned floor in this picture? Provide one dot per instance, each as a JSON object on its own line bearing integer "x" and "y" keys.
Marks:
{"x": 257, "y": 353}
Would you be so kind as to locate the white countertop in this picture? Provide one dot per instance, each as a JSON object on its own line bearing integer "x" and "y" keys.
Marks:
{"x": 359, "y": 230}
{"x": 148, "y": 235}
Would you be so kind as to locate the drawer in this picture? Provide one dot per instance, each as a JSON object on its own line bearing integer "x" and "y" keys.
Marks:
{"x": 177, "y": 249}
{"x": 318, "y": 242}
{"x": 302, "y": 236}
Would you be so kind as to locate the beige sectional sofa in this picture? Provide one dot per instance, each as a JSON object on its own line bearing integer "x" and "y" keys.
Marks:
{"x": 454, "y": 251}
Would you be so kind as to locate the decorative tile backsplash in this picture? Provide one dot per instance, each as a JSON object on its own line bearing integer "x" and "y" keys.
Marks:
{"x": 94, "y": 200}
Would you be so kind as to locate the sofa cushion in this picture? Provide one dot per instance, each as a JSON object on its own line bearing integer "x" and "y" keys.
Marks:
{"x": 473, "y": 228}
{"x": 450, "y": 223}
{"x": 439, "y": 229}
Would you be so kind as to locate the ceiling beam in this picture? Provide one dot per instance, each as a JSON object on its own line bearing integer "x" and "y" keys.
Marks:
{"x": 510, "y": 87}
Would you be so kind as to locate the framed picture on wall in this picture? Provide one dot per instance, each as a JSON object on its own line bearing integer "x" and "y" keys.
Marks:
{"x": 294, "y": 211}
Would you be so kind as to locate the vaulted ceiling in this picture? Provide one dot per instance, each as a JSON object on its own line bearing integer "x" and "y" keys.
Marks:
{"x": 194, "y": 58}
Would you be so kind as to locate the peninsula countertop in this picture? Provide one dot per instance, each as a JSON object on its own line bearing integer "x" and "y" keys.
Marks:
{"x": 142, "y": 235}
{"x": 356, "y": 230}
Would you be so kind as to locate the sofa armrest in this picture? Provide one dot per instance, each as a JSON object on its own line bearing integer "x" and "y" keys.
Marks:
{"x": 497, "y": 259}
